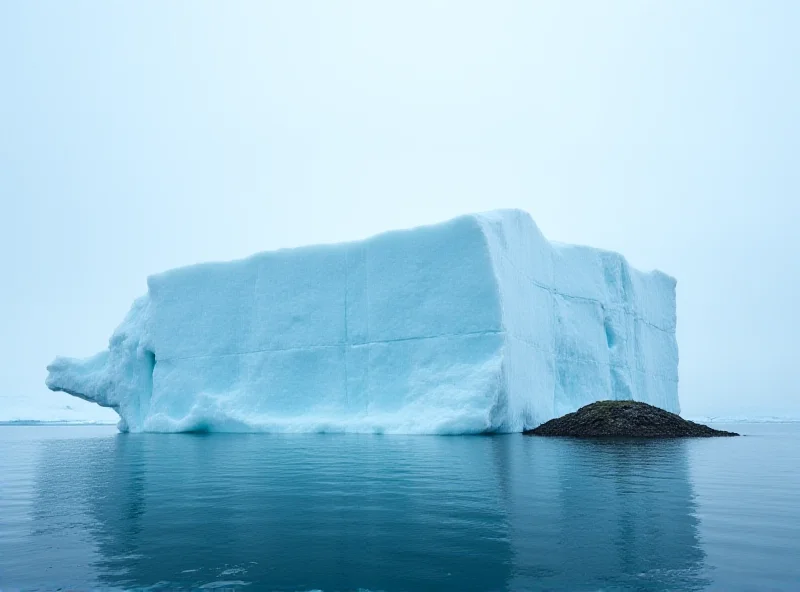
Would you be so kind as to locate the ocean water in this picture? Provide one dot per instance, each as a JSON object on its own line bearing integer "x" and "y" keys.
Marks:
{"x": 86, "y": 508}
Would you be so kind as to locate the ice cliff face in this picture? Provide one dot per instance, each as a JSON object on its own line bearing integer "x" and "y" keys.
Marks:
{"x": 475, "y": 325}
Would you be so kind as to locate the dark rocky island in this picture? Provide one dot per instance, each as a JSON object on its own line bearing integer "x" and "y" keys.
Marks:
{"x": 624, "y": 419}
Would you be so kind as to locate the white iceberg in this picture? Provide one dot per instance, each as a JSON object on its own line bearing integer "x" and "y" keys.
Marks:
{"x": 472, "y": 326}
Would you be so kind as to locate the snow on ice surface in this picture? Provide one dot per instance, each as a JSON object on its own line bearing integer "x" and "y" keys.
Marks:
{"x": 475, "y": 325}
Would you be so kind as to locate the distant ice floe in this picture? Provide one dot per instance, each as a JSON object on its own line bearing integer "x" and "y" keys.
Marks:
{"x": 743, "y": 419}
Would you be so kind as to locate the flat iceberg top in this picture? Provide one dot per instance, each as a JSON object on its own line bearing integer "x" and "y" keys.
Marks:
{"x": 474, "y": 325}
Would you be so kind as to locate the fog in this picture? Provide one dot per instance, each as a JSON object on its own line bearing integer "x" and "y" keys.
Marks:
{"x": 136, "y": 137}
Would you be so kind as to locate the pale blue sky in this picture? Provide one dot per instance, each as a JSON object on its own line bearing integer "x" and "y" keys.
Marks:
{"x": 139, "y": 136}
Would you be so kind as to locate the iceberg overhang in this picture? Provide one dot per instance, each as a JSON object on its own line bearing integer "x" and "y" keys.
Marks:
{"x": 476, "y": 325}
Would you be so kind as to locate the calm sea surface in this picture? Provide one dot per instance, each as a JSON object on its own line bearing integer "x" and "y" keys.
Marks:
{"x": 87, "y": 508}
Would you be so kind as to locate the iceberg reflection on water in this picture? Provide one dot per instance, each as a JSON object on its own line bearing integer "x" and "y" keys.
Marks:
{"x": 382, "y": 513}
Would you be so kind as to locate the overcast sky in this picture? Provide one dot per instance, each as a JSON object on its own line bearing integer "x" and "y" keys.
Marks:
{"x": 139, "y": 136}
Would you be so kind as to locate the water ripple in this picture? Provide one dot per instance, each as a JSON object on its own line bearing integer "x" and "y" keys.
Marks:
{"x": 88, "y": 508}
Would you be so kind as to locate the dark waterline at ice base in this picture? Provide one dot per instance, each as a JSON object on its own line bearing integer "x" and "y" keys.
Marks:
{"x": 85, "y": 507}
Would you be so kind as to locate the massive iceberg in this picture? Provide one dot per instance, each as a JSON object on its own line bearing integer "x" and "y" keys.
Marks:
{"x": 476, "y": 325}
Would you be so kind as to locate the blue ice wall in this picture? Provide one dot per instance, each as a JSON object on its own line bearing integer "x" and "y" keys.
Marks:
{"x": 475, "y": 325}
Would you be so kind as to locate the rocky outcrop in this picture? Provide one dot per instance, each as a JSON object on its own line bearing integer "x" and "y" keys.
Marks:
{"x": 624, "y": 419}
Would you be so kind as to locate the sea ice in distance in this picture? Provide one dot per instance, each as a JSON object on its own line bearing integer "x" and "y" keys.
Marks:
{"x": 475, "y": 325}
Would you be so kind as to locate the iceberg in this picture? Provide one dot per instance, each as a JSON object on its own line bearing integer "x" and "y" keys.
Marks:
{"x": 476, "y": 325}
